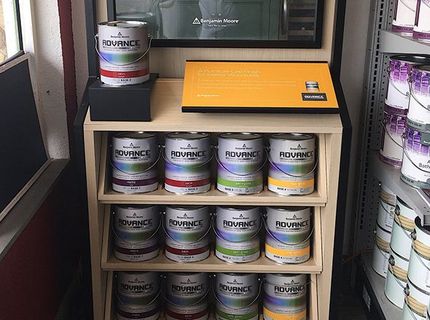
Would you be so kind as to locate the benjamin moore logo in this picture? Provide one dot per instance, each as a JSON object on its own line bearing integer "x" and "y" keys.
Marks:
{"x": 314, "y": 97}
{"x": 196, "y": 21}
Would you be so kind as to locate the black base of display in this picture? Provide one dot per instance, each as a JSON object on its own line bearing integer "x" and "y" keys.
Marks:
{"x": 126, "y": 103}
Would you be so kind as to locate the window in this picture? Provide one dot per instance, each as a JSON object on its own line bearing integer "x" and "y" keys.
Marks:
{"x": 10, "y": 33}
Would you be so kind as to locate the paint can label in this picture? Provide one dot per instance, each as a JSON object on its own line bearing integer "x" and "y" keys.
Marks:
{"x": 137, "y": 312}
{"x": 235, "y": 290}
{"x": 187, "y": 157}
{"x": 422, "y": 23}
{"x": 192, "y": 312}
{"x": 122, "y": 50}
{"x": 290, "y": 225}
{"x": 419, "y": 106}
{"x": 237, "y": 252}
{"x": 133, "y": 159}
{"x": 237, "y": 224}
{"x": 240, "y": 161}
{"x": 187, "y": 252}
{"x": 398, "y": 86}
{"x": 143, "y": 251}
{"x": 136, "y": 288}
{"x": 223, "y": 312}
{"x": 287, "y": 253}
{"x": 292, "y": 160}
{"x": 187, "y": 224}
{"x": 404, "y": 16}
{"x": 186, "y": 289}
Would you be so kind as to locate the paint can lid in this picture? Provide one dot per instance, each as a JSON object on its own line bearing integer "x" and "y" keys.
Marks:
{"x": 241, "y": 136}
{"x": 425, "y": 68}
{"x": 292, "y": 136}
{"x": 187, "y": 135}
{"x": 421, "y": 59}
{"x": 134, "y": 135}
{"x": 124, "y": 24}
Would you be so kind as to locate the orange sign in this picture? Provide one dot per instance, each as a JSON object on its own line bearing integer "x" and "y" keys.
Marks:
{"x": 258, "y": 86}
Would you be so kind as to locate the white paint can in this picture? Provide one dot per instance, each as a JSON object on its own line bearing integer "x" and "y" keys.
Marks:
{"x": 419, "y": 105}
{"x": 134, "y": 159}
{"x": 187, "y": 157}
{"x": 385, "y": 215}
{"x": 187, "y": 224}
{"x": 292, "y": 164}
{"x": 285, "y": 297}
{"x": 401, "y": 240}
{"x": 186, "y": 289}
{"x": 187, "y": 252}
{"x": 135, "y": 231}
{"x": 391, "y": 151}
{"x": 422, "y": 22}
{"x": 237, "y": 252}
{"x": 406, "y": 214}
{"x": 183, "y": 312}
{"x": 137, "y": 295}
{"x": 400, "y": 70}
{"x": 394, "y": 289}
{"x": 237, "y": 290}
{"x": 416, "y": 301}
{"x": 419, "y": 268}
{"x": 240, "y": 159}
{"x": 416, "y": 160}
{"x": 404, "y": 17}
{"x": 380, "y": 261}
{"x": 237, "y": 223}
{"x": 383, "y": 238}
{"x": 399, "y": 266}
{"x": 123, "y": 48}
{"x": 387, "y": 195}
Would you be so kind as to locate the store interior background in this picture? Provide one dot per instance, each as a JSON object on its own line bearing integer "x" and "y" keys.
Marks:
{"x": 48, "y": 257}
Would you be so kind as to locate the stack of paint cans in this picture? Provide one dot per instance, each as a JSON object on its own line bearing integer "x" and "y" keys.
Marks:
{"x": 240, "y": 159}
{"x": 292, "y": 164}
{"x": 384, "y": 225}
{"x": 135, "y": 232}
{"x": 422, "y": 21}
{"x": 288, "y": 232}
{"x": 285, "y": 297}
{"x": 236, "y": 296}
{"x": 418, "y": 287}
{"x": 187, "y": 233}
{"x": 137, "y": 295}
{"x": 237, "y": 234}
{"x": 187, "y": 157}
{"x": 404, "y": 17}
{"x": 134, "y": 159}
{"x": 123, "y": 48}
{"x": 186, "y": 296}
{"x": 400, "y": 248}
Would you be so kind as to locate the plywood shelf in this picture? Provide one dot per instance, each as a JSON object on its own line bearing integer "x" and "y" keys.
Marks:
{"x": 212, "y": 263}
{"x": 167, "y": 116}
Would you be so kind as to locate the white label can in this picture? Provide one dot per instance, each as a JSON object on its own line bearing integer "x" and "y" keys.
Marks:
{"x": 292, "y": 161}
{"x": 187, "y": 157}
{"x": 134, "y": 158}
{"x": 135, "y": 232}
{"x": 185, "y": 289}
{"x": 122, "y": 49}
{"x": 240, "y": 163}
{"x": 187, "y": 224}
{"x": 238, "y": 223}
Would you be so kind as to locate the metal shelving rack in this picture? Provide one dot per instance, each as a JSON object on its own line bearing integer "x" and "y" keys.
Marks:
{"x": 381, "y": 45}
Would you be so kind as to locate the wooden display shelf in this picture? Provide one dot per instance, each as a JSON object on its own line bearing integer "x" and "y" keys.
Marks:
{"x": 213, "y": 197}
{"x": 166, "y": 101}
{"x": 212, "y": 263}
{"x": 312, "y": 294}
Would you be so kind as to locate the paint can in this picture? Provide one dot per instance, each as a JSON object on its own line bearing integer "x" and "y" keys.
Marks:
{"x": 137, "y": 295}
{"x": 419, "y": 268}
{"x": 404, "y": 17}
{"x": 285, "y": 297}
{"x": 416, "y": 302}
{"x": 388, "y": 196}
{"x": 237, "y": 252}
{"x": 237, "y": 223}
{"x": 187, "y": 157}
{"x": 422, "y": 22}
{"x": 187, "y": 224}
{"x": 385, "y": 215}
{"x": 135, "y": 230}
{"x": 394, "y": 289}
{"x": 391, "y": 151}
{"x": 401, "y": 239}
{"x": 416, "y": 159}
{"x": 187, "y": 252}
{"x": 400, "y": 70}
{"x": 240, "y": 158}
{"x": 134, "y": 159}
{"x": 380, "y": 260}
{"x": 288, "y": 232}
{"x": 123, "y": 48}
{"x": 237, "y": 290}
{"x": 186, "y": 289}
{"x": 419, "y": 106}
{"x": 292, "y": 164}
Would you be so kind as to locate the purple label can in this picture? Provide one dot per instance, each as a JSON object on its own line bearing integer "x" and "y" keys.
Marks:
{"x": 419, "y": 107}
{"x": 422, "y": 22}
{"x": 391, "y": 151}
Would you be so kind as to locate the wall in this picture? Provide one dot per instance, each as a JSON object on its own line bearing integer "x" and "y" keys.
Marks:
{"x": 352, "y": 78}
